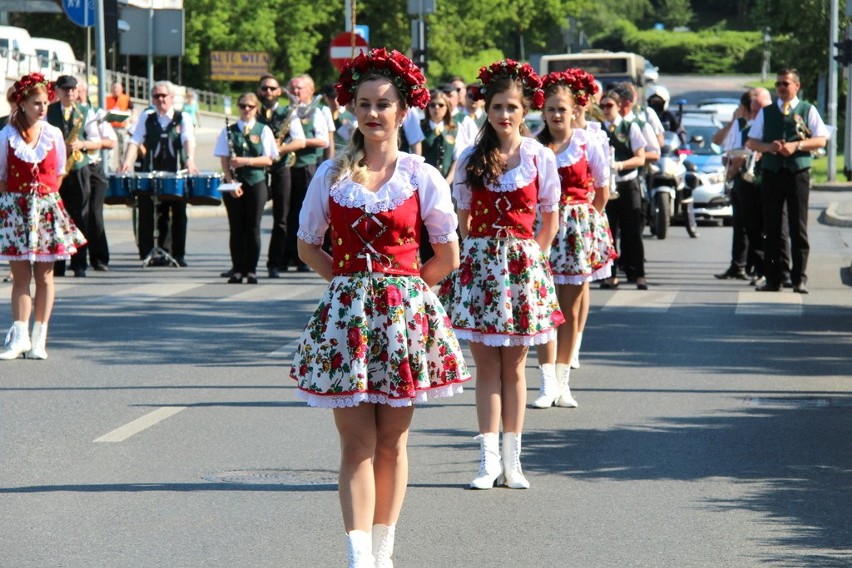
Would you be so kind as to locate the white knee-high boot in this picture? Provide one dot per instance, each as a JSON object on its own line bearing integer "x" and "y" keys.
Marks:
{"x": 17, "y": 341}
{"x": 563, "y": 375}
{"x": 490, "y": 467}
{"x": 575, "y": 356}
{"x": 360, "y": 549}
{"x": 39, "y": 348}
{"x": 512, "y": 461}
{"x": 549, "y": 390}
{"x": 383, "y": 545}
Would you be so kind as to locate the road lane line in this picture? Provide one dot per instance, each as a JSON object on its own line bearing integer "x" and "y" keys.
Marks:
{"x": 142, "y": 423}
{"x": 754, "y": 303}
{"x": 640, "y": 301}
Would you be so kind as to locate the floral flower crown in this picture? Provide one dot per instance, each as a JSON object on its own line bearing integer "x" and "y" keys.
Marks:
{"x": 27, "y": 83}
{"x": 581, "y": 83}
{"x": 399, "y": 69}
{"x": 507, "y": 68}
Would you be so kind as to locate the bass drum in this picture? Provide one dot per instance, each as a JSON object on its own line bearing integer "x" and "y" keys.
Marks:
{"x": 204, "y": 189}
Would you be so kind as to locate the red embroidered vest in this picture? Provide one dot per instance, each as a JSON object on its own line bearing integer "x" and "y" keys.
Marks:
{"x": 25, "y": 177}
{"x": 387, "y": 241}
{"x": 576, "y": 182}
{"x": 503, "y": 213}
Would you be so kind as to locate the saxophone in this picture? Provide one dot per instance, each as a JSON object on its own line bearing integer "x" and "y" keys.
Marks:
{"x": 76, "y": 155}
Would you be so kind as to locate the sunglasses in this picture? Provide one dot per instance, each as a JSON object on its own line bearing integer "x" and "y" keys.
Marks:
{"x": 782, "y": 83}
{"x": 269, "y": 88}
{"x": 159, "y": 95}
{"x": 607, "y": 105}
{"x": 246, "y": 107}
{"x": 437, "y": 105}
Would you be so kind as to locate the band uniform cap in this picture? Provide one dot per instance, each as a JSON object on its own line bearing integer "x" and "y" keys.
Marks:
{"x": 66, "y": 82}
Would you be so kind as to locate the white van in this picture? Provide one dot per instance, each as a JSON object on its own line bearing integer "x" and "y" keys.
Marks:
{"x": 55, "y": 58}
{"x": 17, "y": 54}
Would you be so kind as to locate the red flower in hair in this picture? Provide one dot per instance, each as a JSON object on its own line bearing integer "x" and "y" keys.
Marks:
{"x": 581, "y": 83}
{"x": 27, "y": 83}
{"x": 508, "y": 68}
{"x": 399, "y": 69}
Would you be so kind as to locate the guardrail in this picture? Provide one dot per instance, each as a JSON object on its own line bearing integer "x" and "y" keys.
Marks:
{"x": 137, "y": 88}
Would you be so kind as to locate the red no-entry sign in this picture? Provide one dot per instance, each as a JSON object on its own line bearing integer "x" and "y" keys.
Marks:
{"x": 341, "y": 51}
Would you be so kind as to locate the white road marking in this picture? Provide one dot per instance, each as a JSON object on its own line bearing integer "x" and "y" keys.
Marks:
{"x": 640, "y": 301}
{"x": 142, "y": 423}
{"x": 146, "y": 292}
{"x": 285, "y": 352}
{"x": 784, "y": 303}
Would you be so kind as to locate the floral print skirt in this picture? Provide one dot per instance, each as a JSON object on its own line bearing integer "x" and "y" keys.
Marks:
{"x": 378, "y": 339}
{"x": 36, "y": 228}
{"x": 503, "y": 293}
{"x": 582, "y": 250}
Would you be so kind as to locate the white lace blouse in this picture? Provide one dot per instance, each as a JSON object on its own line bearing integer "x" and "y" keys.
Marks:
{"x": 411, "y": 174}
{"x": 536, "y": 160}
{"x": 50, "y": 136}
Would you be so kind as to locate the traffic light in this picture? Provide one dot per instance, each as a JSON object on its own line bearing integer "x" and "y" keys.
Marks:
{"x": 419, "y": 58}
{"x": 844, "y": 52}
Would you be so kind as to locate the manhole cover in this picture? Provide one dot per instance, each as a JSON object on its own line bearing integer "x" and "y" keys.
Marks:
{"x": 275, "y": 477}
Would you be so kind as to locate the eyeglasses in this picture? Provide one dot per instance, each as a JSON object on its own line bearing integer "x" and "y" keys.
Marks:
{"x": 437, "y": 105}
{"x": 159, "y": 95}
{"x": 246, "y": 107}
{"x": 268, "y": 88}
{"x": 607, "y": 105}
{"x": 782, "y": 83}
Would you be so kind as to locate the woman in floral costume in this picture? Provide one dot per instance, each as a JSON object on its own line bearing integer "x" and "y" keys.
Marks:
{"x": 35, "y": 229}
{"x": 503, "y": 298}
{"x": 379, "y": 340}
{"x": 582, "y": 250}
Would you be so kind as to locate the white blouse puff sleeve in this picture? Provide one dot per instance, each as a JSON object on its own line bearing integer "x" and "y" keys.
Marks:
{"x": 50, "y": 137}
{"x": 536, "y": 160}
{"x": 411, "y": 174}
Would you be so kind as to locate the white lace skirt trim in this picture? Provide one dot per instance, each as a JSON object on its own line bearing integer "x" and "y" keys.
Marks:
{"x": 604, "y": 271}
{"x": 505, "y": 340}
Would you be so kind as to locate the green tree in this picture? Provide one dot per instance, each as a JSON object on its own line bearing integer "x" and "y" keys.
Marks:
{"x": 674, "y": 13}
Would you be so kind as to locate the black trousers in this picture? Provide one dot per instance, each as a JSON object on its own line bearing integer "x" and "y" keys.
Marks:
{"x": 777, "y": 190}
{"x": 171, "y": 222}
{"x": 75, "y": 194}
{"x": 300, "y": 180}
{"x": 98, "y": 246}
{"x": 279, "y": 192}
{"x": 244, "y": 215}
{"x": 625, "y": 217}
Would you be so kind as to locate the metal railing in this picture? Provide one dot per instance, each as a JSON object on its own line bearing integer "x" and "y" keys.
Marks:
{"x": 137, "y": 88}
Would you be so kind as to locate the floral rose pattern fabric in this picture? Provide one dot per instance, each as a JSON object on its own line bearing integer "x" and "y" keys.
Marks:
{"x": 36, "y": 228}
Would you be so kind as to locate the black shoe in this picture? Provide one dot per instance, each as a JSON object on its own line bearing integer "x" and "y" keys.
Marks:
{"x": 79, "y": 272}
{"x": 303, "y": 268}
{"x": 641, "y": 283}
{"x": 788, "y": 283}
{"x": 228, "y": 273}
{"x": 609, "y": 284}
{"x": 732, "y": 274}
{"x": 768, "y": 287}
{"x": 100, "y": 267}
{"x": 274, "y": 273}
{"x": 251, "y": 279}
{"x": 181, "y": 262}
{"x": 235, "y": 279}
{"x": 800, "y": 288}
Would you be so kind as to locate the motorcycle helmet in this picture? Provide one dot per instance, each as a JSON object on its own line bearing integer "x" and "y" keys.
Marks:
{"x": 660, "y": 92}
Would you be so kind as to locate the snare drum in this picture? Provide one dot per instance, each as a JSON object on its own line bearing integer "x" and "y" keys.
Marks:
{"x": 171, "y": 187}
{"x": 120, "y": 189}
{"x": 204, "y": 189}
{"x": 144, "y": 184}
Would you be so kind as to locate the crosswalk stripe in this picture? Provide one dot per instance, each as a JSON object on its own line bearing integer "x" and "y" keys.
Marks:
{"x": 145, "y": 293}
{"x": 753, "y": 303}
{"x": 142, "y": 423}
{"x": 640, "y": 301}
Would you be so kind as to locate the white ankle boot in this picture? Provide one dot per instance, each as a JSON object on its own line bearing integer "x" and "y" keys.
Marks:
{"x": 360, "y": 549}
{"x": 17, "y": 341}
{"x": 39, "y": 341}
{"x": 383, "y": 545}
{"x": 490, "y": 467}
{"x": 575, "y": 356}
{"x": 549, "y": 390}
{"x": 563, "y": 375}
{"x": 514, "y": 477}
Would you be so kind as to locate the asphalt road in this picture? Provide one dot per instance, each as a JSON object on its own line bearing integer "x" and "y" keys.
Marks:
{"x": 714, "y": 427}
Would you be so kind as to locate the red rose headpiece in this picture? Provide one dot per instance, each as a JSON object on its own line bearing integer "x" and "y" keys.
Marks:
{"x": 513, "y": 70}
{"x": 581, "y": 83}
{"x": 27, "y": 83}
{"x": 401, "y": 71}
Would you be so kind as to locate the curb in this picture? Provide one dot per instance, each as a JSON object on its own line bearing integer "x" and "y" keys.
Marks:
{"x": 838, "y": 214}
{"x": 832, "y": 186}
{"x": 118, "y": 212}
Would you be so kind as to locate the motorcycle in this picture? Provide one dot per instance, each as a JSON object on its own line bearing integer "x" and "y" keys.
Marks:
{"x": 668, "y": 196}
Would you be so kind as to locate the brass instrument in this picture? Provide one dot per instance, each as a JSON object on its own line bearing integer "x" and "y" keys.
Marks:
{"x": 231, "y": 152}
{"x": 75, "y": 155}
{"x": 289, "y": 159}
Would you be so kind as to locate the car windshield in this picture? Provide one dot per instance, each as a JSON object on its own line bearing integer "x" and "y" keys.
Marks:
{"x": 705, "y": 147}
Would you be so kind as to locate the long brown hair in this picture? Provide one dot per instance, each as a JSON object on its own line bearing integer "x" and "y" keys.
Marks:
{"x": 485, "y": 164}
{"x": 18, "y": 119}
{"x": 545, "y": 137}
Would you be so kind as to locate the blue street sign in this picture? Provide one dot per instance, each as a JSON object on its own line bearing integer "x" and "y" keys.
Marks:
{"x": 81, "y": 12}
{"x": 364, "y": 31}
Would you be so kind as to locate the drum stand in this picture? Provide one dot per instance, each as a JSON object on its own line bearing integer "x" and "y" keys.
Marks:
{"x": 158, "y": 255}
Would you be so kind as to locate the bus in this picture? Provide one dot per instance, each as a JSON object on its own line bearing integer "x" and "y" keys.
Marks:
{"x": 607, "y": 66}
